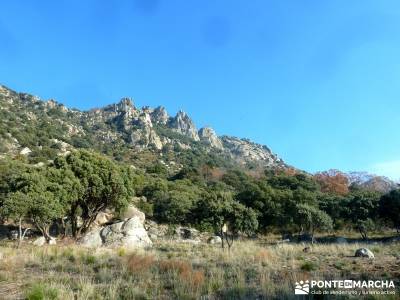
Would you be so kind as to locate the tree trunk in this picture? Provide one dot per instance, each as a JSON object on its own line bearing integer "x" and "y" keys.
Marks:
{"x": 19, "y": 232}
{"x": 229, "y": 242}
{"x": 222, "y": 238}
{"x": 63, "y": 228}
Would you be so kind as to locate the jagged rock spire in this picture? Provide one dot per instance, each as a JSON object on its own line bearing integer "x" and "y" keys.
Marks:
{"x": 184, "y": 125}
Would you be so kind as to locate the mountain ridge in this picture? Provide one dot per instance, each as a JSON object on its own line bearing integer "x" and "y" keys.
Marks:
{"x": 141, "y": 129}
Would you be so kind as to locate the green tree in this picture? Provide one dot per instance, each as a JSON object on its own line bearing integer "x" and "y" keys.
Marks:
{"x": 310, "y": 218}
{"x": 35, "y": 201}
{"x": 361, "y": 209}
{"x": 389, "y": 208}
{"x": 103, "y": 184}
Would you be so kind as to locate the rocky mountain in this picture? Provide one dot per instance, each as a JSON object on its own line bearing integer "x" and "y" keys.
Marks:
{"x": 372, "y": 182}
{"x": 41, "y": 129}
{"x": 366, "y": 180}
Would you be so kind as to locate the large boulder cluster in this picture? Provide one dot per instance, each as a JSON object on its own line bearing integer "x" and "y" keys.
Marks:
{"x": 129, "y": 232}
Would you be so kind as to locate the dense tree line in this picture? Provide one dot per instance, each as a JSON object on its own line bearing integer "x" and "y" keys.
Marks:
{"x": 82, "y": 184}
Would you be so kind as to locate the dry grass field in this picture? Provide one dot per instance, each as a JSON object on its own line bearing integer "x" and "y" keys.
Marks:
{"x": 186, "y": 271}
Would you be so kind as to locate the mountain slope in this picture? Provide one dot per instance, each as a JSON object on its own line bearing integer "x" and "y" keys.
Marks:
{"x": 43, "y": 129}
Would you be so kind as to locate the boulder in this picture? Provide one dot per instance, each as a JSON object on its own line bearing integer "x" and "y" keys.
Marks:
{"x": 25, "y": 151}
{"x": 92, "y": 239}
{"x": 103, "y": 218}
{"x": 129, "y": 233}
{"x": 215, "y": 240}
{"x": 364, "y": 252}
{"x": 132, "y": 212}
{"x": 39, "y": 241}
{"x": 13, "y": 234}
{"x": 156, "y": 231}
{"x": 187, "y": 233}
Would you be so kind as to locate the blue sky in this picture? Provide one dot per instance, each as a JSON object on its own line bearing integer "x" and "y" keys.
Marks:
{"x": 316, "y": 81}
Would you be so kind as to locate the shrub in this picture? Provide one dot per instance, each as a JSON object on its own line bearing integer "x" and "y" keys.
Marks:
{"x": 309, "y": 266}
{"x": 197, "y": 279}
{"x": 139, "y": 263}
{"x": 179, "y": 266}
{"x": 41, "y": 291}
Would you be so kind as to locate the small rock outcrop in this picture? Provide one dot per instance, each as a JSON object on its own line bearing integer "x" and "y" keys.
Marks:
{"x": 25, "y": 151}
{"x": 364, "y": 252}
{"x": 129, "y": 233}
{"x": 244, "y": 151}
{"x": 102, "y": 218}
{"x": 41, "y": 241}
{"x": 209, "y": 137}
{"x": 184, "y": 125}
{"x": 160, "y": 116}
{"x": 132, "y": 212}
{"x": 214, "y": 240}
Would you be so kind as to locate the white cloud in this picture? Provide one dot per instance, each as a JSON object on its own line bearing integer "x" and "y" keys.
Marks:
{"x": 389, "y": 169}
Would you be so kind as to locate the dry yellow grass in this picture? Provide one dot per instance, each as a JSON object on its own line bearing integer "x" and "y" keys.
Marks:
{"x": 184, "y": 271}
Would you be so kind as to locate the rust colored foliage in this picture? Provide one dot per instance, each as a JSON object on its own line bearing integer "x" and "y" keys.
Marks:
{"x": 194, "y": 278}
{"x": 140, "y": 263}
{"x": 333, "y": 182}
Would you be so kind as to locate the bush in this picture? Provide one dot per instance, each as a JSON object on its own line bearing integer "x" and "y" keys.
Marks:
{"x": 41, "y": 291}
{"x": 140, "y": 263}
{"x": 309, "y": 266}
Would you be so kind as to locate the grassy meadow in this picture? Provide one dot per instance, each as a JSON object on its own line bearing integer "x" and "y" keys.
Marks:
{"x": 170, "y": 270}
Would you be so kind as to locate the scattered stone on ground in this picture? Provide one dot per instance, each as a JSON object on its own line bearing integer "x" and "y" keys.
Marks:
{"x": 40, "y": 241}
{"x": 364, "y": 252}
{"x": 215, "y": 240}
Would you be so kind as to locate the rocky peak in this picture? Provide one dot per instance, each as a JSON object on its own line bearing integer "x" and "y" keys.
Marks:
{"x": 4, "y": 91}
{"x": 208, "y": 136}
{"x": 160, "y": 116}
{"x": 184, "y": 125}
{"x": 143, "y": 120}
{"x": 125, "y": 105}
{"x": 245, "y": 151}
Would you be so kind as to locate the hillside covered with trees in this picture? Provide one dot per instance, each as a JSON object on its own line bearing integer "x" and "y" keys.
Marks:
{"x": 63, "y": 166}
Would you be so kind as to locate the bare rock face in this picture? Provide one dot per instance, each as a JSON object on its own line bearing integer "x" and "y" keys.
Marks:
{"x": 184, "y": 125}
{"x": 92, "y": 239}
{"x": 132, "y": 212}
{"x": 145, "y": 137}
{"x": 243, "y": 150}
{"x": 25, "y": 151}
{"x": 209, "y": 137}
{"x": 160, "y": 116}
{"x": 129, "y": 233}
{"x": 103, "y": 218}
